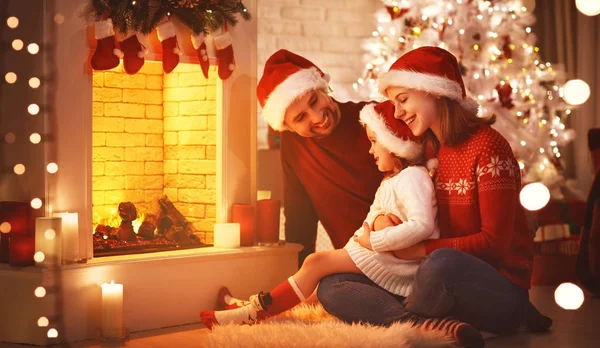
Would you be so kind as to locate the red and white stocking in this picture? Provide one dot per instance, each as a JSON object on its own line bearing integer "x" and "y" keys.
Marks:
{"x": 171, "y": 52}
{"x": 226, "y": 61}
{"x": 105, "y": 56}
{"x": 132, "y": 53}
{"x": 200, "y": 46}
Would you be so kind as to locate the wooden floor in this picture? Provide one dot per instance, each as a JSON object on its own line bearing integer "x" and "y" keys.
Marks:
{"x": 571, "y": 329}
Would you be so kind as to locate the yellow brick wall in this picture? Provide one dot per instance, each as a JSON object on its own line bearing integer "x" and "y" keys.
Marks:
{"x": 154, "y": 134}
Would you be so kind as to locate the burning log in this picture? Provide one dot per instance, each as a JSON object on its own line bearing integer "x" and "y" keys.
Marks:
{"x": 128, "y": 213}
{"x": 151, "y": 220}
{"x": 181, "y": 229}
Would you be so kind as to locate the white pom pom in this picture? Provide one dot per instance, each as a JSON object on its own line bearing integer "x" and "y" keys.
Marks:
{"x": 231, "y": 67}
{"x": 117, "y": 52}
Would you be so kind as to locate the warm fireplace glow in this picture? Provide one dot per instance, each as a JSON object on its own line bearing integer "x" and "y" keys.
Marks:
{"x": 154, "y": 135}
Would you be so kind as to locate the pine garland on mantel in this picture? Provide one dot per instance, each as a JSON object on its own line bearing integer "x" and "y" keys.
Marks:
{"x": 201, "y": 16}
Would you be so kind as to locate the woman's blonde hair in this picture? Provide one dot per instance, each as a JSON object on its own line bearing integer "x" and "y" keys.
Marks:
{"x": 457, "y": 123}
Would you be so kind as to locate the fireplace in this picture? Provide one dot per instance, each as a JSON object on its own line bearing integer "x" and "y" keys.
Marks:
{"x": 154, "y": 146}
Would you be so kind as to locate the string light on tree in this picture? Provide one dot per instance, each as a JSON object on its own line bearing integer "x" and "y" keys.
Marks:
{"x": 10, "y": 77}
{"x": 576, "y": 92}
{"x": 500, "y": 64}
{"x": 12, "y": 22}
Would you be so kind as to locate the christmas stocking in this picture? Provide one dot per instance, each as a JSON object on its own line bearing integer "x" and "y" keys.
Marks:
{"x": 171, "y": 52}
{"x": 200, "y": 46}
{"x": 226, "y": 62}
{"x": 132, "y": 53}
{"x": 105, "y": 56}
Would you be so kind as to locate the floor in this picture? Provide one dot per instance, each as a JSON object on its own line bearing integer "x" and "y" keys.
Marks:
{"x": 571, "y": 329}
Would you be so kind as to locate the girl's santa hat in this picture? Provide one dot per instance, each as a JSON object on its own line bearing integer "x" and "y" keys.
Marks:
{"x": 429, "y": 69}
{"x": 393, "y": 133}
{"x": 286, "y": 77}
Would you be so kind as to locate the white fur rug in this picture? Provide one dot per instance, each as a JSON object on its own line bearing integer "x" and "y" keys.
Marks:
{"x": 312, "y": 326}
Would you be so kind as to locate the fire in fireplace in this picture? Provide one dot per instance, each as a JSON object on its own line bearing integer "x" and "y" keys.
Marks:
{"x": 154, "y": 159}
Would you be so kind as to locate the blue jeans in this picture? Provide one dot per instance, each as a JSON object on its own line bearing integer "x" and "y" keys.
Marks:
{"x": 449, "y": 283}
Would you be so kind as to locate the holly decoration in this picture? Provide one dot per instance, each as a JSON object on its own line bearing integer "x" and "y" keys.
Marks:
{"x": 201, "y": 16}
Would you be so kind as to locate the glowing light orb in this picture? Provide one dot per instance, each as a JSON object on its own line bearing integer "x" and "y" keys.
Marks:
{"x": 534, "y": 196}
{"x": 33, "y": 48}
{"x": 12, "y": 22}
{"x": 36, "y": 203}
{"x": 43, "y": 322}
{"x": 568, "y": 296}
{"x": 40, "y": 291}
{"x": 576, "y": 92}
{"x": 35, "y": 138}
{"x": 52, "y": 333}
{"x": 10, "y": 77}
{"x": 33, "y": 109}
{"x": 52, "y": 167}
{"x": 50, "y": 234}
{"x": 588, "y": 7}
{"x": 19, "y": 169}
{"x": 17, "y": 44}
{"x": 39, "y": 256}
{"x": 34, "y": 82}
{"x": 5, "y": 227}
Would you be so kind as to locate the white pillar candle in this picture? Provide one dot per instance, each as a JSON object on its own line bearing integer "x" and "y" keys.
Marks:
{"x": 227, "y": 235}
{"x": 48, "y": 240}
{"x": 70, "y": 237}
{"x": 112, "y": 310}
{"x": 260, "y": 195}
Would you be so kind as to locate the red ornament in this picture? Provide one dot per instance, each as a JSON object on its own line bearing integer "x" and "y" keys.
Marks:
{"x": 504, "y": 94}
{"x": 506, "y": 51}
{"x": 396, "y": 12}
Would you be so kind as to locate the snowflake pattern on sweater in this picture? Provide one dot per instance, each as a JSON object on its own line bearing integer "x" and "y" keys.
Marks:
{"x": 477, "y": 188}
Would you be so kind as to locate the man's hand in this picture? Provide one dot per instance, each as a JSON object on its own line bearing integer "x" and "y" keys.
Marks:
{"x": 385, "y": 220}
{"x": 365, "y": 239}
{"x": 415, "y": 252}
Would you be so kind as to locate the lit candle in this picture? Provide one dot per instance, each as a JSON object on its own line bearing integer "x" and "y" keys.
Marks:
{"x": 227, "y": 235}
{"x": 260, "y": 195}
{"x": 48, "y": 241}
{"x": 70, "y": 237}
{"x": 112, "y": 310}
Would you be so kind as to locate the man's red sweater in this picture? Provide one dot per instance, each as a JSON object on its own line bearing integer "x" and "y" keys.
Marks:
{"x": 331, "y": 179}
{"x": 477, "y": 188}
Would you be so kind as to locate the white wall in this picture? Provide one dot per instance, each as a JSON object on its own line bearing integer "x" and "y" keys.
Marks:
{"x": 328, "y": 32}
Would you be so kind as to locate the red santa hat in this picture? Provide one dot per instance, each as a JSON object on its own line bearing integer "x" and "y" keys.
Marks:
{"x": 429, "y": 69}
{"x": 286, "y": 77}
{"x": 392, "y": 133}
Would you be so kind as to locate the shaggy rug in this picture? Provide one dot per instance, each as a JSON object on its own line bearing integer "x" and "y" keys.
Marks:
{"x": 312, "y": 326}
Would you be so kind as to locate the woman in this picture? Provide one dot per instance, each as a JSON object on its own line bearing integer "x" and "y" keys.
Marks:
{"x": 480, "y": 269}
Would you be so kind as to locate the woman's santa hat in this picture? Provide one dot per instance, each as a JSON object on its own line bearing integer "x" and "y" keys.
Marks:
{"x": 429, "y": 69}
{"x": 394, "y": 134}
{"x": 286, "y": 77}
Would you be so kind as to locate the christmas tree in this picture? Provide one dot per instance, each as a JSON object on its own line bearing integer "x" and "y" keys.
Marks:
{"x": 501, "y": 68}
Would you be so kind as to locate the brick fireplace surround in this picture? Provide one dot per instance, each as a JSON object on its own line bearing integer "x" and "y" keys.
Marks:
{"x": 160, "y": 289}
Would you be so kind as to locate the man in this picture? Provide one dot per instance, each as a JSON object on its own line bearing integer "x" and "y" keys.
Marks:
{"x": 329, "y": 174}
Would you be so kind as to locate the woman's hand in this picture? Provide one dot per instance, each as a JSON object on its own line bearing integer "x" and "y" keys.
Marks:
{"x": 365, "y": 239}
{"x": 385, "y": 220}
{"x": 415, "y": 252}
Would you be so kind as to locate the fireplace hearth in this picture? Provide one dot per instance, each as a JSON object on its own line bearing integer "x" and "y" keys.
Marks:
{"x": 161, "y": 228}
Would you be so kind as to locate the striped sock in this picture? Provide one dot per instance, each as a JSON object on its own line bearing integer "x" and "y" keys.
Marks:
{"x": 463, "y": 333}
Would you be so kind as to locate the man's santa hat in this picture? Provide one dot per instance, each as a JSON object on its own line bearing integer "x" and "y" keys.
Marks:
{"x": 394, "y": 134}
{"x": 429, "y": 69}
{"x": 286, "y": 77}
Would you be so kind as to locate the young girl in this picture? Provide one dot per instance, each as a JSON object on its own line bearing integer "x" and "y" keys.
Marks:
{"x": 407, "y": 192}
{"x": 479, "y": 270}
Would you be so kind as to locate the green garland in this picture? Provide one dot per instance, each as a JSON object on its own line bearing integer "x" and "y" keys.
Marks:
{"x": 201, "y": 16}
